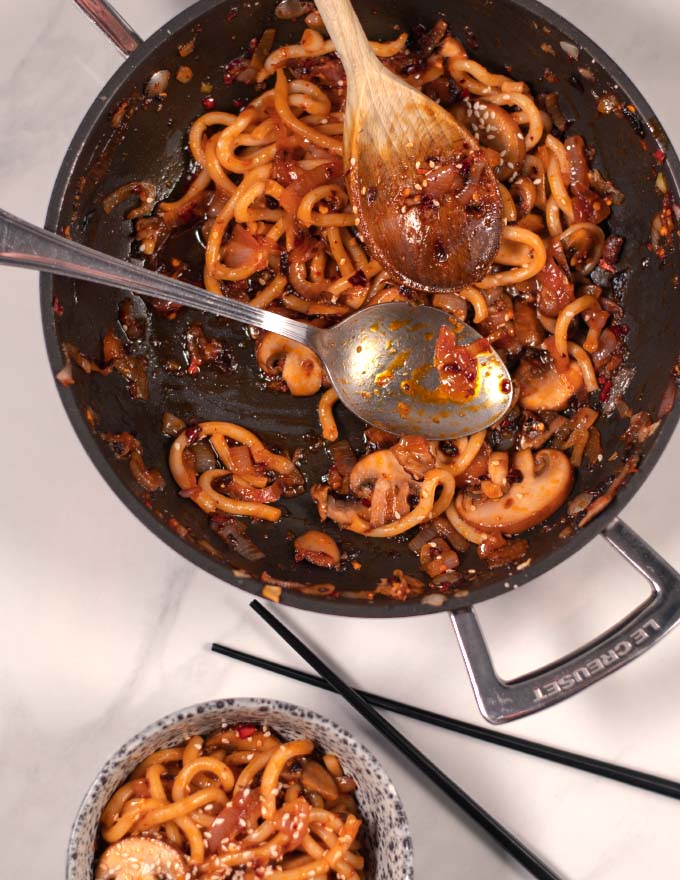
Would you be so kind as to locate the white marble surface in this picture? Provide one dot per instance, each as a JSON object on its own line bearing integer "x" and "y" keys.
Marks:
{"x": 104, "y": 629}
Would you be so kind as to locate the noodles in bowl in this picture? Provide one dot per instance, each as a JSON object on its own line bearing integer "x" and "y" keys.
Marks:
{"x": 241, "y": 789}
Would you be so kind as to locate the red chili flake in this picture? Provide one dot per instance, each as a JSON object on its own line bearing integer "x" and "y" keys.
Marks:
{"x": 57, "y": 307}
{"x": 239, "y": 103}
{"x": 246, "y": 730}
{"x": 233, "y": 12}
{"x": 607, "y": 266}
{"x": 233, "y": 68}
{"x": 464, "y": 93}
{"x": 366, "y": 502}
{"x": 208, "y": 103}
{"x": 606, "y": 389}
{"x": 659, "y": 155}
{"x": 194, "y": 433}
{"x": 194, "y": 366}
{"x": 620, "y": 330}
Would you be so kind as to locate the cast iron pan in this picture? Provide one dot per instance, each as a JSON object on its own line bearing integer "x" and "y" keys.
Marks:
{"x": 150, "y": 144}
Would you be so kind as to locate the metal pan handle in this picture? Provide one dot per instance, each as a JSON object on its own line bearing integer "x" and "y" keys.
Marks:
{"x": 500, "y": 701}
{"x": 112, "y": 24}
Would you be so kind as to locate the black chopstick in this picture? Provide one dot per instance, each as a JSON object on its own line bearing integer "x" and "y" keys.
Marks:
{"x": 500, "y": 834}
{"x": 637, "y": 778}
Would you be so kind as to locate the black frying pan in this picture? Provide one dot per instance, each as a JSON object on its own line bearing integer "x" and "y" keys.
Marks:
{"x": 149, "y": 143}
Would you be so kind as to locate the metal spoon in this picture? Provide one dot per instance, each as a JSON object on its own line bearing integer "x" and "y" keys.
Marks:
{"x": 427, "y": 202}
{"x": 379, "y": 359}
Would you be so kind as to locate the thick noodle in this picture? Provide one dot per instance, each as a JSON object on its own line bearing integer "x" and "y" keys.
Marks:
{"x": 186, "y": 808}
{"x": 279, "y": 230}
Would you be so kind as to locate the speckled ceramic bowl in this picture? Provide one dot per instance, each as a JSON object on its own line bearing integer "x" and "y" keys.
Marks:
{"x": 388, "y": 839}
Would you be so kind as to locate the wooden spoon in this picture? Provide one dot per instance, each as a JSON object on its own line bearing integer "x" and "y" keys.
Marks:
{"x": 427, "y": 202}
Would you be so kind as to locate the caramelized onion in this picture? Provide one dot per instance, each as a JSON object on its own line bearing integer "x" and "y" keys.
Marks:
{"x": 172, "y": 425}
{"x": 157, "y": 84}
{"x": 233, "y": 532}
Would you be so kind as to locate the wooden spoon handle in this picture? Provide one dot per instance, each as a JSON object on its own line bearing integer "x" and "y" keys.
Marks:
{"x": 348, "y": 36}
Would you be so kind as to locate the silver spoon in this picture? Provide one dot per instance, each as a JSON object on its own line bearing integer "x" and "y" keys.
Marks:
{"x": 380, "y": 359}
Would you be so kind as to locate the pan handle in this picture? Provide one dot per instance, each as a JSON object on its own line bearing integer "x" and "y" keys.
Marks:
{"x": 500, "y": 701}
{"x": 112, "y": 24}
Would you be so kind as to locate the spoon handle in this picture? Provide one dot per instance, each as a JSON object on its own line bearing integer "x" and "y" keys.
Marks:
{"x": 30, "y": 247}
{"x": 348, "y": 36}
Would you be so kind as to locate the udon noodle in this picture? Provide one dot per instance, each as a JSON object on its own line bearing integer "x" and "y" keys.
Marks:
{"x": 238, "y": 803}
{"x": 278, "y": 228}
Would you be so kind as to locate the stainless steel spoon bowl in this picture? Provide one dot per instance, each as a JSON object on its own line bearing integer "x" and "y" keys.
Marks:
{"x": 380, "y": 360}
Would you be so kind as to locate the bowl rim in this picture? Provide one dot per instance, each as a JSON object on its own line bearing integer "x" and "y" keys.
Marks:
{"x": 225, "y": 573}
{"x": 246, "y": 704}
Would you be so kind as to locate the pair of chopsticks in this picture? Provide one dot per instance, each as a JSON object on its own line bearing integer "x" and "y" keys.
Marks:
{"x": 637, "y": 778}
{"x": 364, "y": 703}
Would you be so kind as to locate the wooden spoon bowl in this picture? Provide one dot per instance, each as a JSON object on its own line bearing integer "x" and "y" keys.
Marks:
{"x": 427, "y": 202}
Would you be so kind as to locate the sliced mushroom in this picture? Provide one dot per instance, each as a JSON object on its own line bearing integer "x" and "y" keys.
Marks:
{"x": 317, "y": 778}
{"x": 547, "y": 479}
{"x": 382, "y": 464}
{"x": 347, "y": 514}
{"x": 141, "y": 858}
{"x": 297, "y": 365}
{"x": 495, "y": 128}
{"x": 542, "y": 388}
{"x": 318, "y": 548}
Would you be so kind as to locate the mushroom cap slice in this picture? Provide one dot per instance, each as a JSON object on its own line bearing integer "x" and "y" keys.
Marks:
{"x": 547, "y": 390}
{"x": 547, "y": 479}
{"x": 374, "y": 466}
{"x": 141, "y": 858}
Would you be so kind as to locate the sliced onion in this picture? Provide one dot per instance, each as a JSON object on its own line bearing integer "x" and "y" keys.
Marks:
{"x": 343, "y": 456}
{"x": 436, "y": 600}
{"x": 234, "y": 534}
{"x": 204, "y": 457}
{"x": 157, "y": 84}
{"x": 579, "y": 504}
{"x": 427, "y": 533}
{"x": 570, "y": 50}
{"x": 65, "y": 375}
{"x": 172, "y": 425}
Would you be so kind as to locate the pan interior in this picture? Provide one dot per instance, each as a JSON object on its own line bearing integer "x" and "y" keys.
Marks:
{"x": 124, "y": 138}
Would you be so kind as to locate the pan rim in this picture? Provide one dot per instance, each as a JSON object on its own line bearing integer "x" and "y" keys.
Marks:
{"x": 345, "y": 608}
